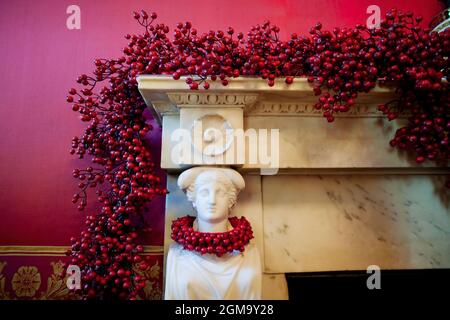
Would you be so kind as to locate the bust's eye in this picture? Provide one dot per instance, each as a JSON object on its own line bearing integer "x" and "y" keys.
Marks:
{"x": 220, "y": 192}
{"x": 204, "y": 192}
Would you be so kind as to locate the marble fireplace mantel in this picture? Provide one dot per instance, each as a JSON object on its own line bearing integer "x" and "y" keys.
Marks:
{"x": 343, "y": 199}
{"x": 357, "y": 140}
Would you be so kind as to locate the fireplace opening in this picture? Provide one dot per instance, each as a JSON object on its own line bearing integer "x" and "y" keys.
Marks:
{"x": 353, "y": 285}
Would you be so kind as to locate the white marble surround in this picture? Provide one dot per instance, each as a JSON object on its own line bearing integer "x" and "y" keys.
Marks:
{"x": 350, "y": 222}
{"x": 343, "y": 199}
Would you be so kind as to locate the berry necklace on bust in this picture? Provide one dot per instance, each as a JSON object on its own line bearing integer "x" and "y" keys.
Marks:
{"x": 217, "y": 243}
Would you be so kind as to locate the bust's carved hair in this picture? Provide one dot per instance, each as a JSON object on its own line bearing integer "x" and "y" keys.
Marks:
{"x": 232, "y": 181}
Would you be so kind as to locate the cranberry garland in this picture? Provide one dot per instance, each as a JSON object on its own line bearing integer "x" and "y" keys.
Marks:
{"x": 339, "y": 64}
{"x": 217, "y": 243}
{"x": 107, "y": 248}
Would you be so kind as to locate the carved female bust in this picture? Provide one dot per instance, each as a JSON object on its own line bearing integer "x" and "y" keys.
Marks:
{"x": 194, "y": 275}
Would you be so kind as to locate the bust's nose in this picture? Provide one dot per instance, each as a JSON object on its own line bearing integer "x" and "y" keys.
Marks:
{"x": 212, "y": 197}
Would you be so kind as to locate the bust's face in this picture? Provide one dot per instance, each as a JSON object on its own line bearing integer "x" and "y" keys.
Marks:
{"x": 211, "y": 199}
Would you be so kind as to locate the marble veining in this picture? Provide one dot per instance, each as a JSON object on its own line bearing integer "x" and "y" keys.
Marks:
{"x": 319, "y": 223}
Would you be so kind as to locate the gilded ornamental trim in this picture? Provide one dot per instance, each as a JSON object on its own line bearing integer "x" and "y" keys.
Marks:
{"x": 15, "y": 250}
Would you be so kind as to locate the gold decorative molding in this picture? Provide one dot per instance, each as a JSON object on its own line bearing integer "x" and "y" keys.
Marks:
{"x": 26, "y": 283}
{"x": 58, "y": 250}
{"x": 152, "y": 289}
{"x": 4, "y": 295}
{"x": 56, "y": 284}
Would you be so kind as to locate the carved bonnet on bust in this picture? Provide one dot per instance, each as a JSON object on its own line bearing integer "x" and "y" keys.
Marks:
{"x": 208, "y": 261}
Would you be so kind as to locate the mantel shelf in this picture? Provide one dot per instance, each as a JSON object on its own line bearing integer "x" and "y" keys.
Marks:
{"x": 164, "y": 95}
{"x": 357, "y": 141}
{"x": 239, "y": 84}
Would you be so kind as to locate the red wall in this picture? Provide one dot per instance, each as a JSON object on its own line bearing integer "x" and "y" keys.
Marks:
{"x": 40, "y": 59}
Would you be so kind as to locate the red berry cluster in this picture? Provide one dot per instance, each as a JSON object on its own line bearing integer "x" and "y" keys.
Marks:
{"x": 339, "y": 64}
{"x": 114, "y": 141}
{"x": 217, "y": 243}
